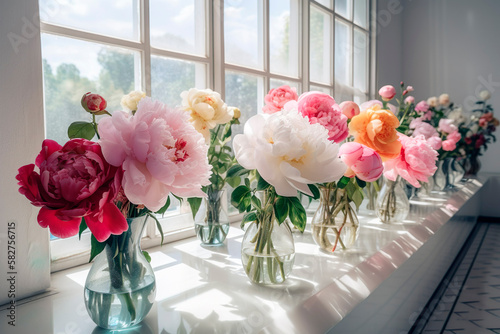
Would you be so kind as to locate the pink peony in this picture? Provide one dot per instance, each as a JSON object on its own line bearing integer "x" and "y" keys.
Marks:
{"x": 455, "y": 136}
{"x": 435, "y": 142}
{"x": 278, "y": 97}
{"x": 361, "y": 161}
{"x": 349, "y": 108}
{"x": 409, "y": 100}
{"x": 369, "y": 104}
{"x": 75, "y": 182}
{"x": 387, "y": 92}
{"x": 422, "y": 128}
{"x": 446, "y": 125}
{"x": 160, "y": 152}
{"x": 410, "y": 89}
{"x": 416, "y": 162}
{"x": 321, "y": 108}
{"x": 449, "y": 145}
{"x": 422, "y": 107}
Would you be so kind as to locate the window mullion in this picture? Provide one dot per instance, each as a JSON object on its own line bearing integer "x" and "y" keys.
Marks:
{"x": 218, "y": 66}
{"x": 146, "y": 42}
{"x": 305, "y": 38}
{"x": 266, "y": 44}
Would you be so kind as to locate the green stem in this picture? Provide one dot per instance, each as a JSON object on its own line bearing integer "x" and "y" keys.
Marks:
{"x": 94, "y": 124}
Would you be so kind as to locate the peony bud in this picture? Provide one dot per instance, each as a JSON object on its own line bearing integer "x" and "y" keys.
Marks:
{"x": 444, "y": 99}
{"x": 485, "y": 95}
{"x": 409, "y": 100}
{"x": 349, "y": 108}
{"x": 93, "y": 103}
{"x": 387, "y": 92}
{"x": 410, "y": 89}
{"x": 432, "y": 101}
{"x": 236, "y": 112}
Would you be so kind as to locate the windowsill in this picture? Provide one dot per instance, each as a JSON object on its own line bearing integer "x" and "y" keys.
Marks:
{"x": 206, "y": 289}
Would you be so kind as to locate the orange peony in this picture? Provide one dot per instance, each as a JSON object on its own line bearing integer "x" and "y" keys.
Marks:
{"x": 376, "y": 128}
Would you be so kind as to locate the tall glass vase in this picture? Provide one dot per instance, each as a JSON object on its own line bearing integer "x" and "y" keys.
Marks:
{"x": 267, "y": 249}
{"x": 120, "y": 287}
{"x": 211, "y": 220}
{"x": 335, "y": 223}
{"x": 392, "y": 204}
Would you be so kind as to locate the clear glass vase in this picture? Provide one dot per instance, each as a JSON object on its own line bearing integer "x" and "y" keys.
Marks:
{"x": 267, "y": 249}
{"x": 457, "y": 171}
{"x": 471, "y": 166}
{"x": 335, "y": 223}
{"x": 440, "y": 178}
{"x": 393, "y": 205}
{"x": 120, "y": 287}
{"x": 211, "y": 221}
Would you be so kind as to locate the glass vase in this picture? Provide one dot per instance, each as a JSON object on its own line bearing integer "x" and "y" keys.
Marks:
{"x": 267, "y": 249}
{"x": 458, "y": 172}
{"x": 393, "y": 205}
{"x": 120, "y": 287}
{"x": 471, "y": 166}
{"x": 371, "y": 192}
{"x": 211, "y": 221}
{"x": 440, "y": 178}
{"x": 335, "y": 221}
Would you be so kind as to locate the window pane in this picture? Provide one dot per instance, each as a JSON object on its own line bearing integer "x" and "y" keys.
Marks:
{"x": 360, "y": 60}
{"x": 243, "y": 33}
{"x": 320, "y": 89}
{"x": 170, "y": 77}
{"x": 72, "y": 68}
{"x": 178, "y": 25}
{"x": 342, "y": 53}
{"x": 361, "y": 13}
{"x": 245, "y": 92}
{"x": 326, "y": 3}
{"x": 344, "y": 8}
{"x": 284, "y": 37}
{"x": 320, "y": 46}
{"x": 342, "y": 93}
{"x": 106, "y": 17}
{"x": 274, "y": 83}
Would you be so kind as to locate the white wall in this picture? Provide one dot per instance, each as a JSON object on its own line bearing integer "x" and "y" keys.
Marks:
{"x": 448, "y": 46}
{"x": 21, "y": 136}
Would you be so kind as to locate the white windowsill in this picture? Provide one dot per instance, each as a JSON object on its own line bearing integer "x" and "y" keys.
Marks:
{"x": 205, "y": 288}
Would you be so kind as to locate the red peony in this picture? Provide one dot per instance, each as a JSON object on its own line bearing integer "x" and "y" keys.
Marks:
{"x": 75, "y": 182}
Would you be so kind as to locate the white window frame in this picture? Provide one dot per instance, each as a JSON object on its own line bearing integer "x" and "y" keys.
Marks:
{"x": 180, "y": 225}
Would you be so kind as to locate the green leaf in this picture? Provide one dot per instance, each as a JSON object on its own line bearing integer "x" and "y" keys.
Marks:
{"x": 350, "y": 188}
{"x": 281, "y": 209}
{"x": 146, "y": 255}
{"x": 228, "y": 133}
{"x": 233, "y": 181}
{"x": 261, "y": 183}
{"x": 248, "y": 217}
{"x": 240, "y": 198}
{"x": 96, "y": 247}
{"x": 165, "y": 207}
{"x": 360, "y": 183}
{"x": 83, "y": 227}
{"x": 247, "y": 182}
{"x": 343, "y": 182}
{"x": 237, "y": 170}
{"x": 217, "y": 181}
{"x": 81, "y": 130}
{"x": 158, "y": 225}
{"x": 256, "y": 202}
{"x": 297, "y": 213}
{"x": 357, "y": 198}
{"x": 194, "y": 203}
{"x": 314, "y": 190}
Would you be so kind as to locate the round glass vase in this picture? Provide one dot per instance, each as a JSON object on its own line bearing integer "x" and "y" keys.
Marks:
{"x": 393, "y": 205}
{"x": 211, "y": 221}
{"x": 335, "y": 222}
{"x": 267, "y": 249}
{"x": 121, "y": 286}
{"x": 471, "y": 166}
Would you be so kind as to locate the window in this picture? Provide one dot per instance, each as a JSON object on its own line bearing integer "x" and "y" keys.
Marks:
{"x": 163, "y": 47}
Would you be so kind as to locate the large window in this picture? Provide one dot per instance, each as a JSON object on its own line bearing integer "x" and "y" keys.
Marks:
{"x": 163, "y": 47}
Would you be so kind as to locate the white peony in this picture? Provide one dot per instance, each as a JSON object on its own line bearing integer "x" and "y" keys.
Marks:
{"x": 485, "y": 95}
{"x": 207, "y": 110}
{"x": 457, "y": 115}
{"x": 288, "y": 151}
{"x": 444, "y": 99}
{"x": 131, "y": 100}
{"x": 432, "y": 101}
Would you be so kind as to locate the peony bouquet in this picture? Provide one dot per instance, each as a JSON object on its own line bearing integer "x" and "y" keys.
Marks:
{"x": 213, "y": 119}
{"x": 140, "y": 158}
